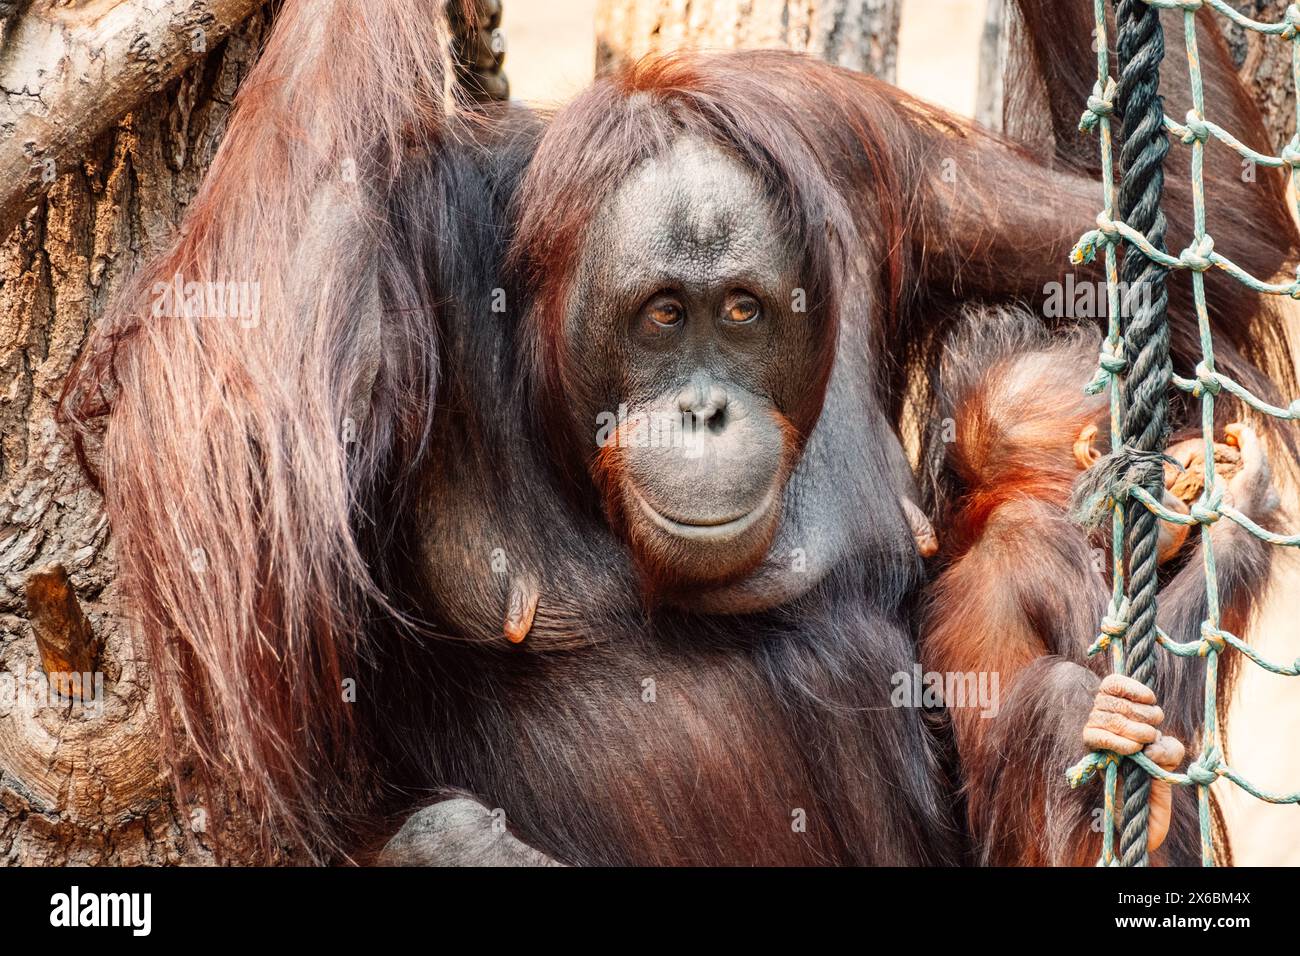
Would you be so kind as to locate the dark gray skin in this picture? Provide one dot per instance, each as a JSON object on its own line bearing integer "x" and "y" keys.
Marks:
{"x": 690, "y": 296}
{"x": 691, "y": 289}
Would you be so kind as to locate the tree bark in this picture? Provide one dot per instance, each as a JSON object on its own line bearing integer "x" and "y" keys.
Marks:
{"x": 68, "y": 71}
{"x": 79, "y": 777}
{"x": 858, "y": 34}
{"x": 993, "y": 53}
{"x": 1264, "y": 64}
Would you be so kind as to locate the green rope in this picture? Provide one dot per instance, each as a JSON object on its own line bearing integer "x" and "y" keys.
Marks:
{"x": 1140, "y": 46}
{"x": 1198, "y": 258}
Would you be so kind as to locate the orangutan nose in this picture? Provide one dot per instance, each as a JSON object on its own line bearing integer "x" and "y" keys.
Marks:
{"x": 703, "y": 401}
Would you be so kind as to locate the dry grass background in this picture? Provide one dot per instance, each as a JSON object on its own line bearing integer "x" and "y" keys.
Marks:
{"x": 551, "y": 57}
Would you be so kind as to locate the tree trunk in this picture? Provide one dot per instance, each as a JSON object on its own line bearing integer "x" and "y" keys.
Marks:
{"x": 79, "y": 778}
{"x": 993, "y": 54}
{"x": 859, "y": 34}
{"x": 1264, "y": 64}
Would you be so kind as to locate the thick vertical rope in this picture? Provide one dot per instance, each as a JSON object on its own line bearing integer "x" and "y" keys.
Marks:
{"x": 1140, "y": 48}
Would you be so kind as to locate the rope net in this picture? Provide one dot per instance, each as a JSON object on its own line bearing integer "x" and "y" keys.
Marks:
{"x": 1137, "y": 374}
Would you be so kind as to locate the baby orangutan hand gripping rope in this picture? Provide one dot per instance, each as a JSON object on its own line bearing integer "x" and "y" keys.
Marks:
{"x": 1023, "y": 588}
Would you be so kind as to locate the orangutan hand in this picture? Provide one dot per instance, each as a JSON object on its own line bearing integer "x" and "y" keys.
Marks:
{"x": 1124, "y": 719}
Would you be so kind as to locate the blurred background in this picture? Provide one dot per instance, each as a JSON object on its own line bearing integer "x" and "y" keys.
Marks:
{"x": 552, "y": 55}
{"x": 552, "y": 49}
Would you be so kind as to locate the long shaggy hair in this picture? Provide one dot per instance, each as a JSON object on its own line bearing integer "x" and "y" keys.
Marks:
{"x": 227, "y": 470}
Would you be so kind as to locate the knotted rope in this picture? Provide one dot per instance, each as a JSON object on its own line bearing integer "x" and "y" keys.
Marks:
{"x": 1141, "y": 48}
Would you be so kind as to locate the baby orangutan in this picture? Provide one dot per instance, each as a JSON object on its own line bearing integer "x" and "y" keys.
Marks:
{"x": 1022, "y": 587}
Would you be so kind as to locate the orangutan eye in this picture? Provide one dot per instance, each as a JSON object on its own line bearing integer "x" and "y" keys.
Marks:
{"x": 665, "y": 313}
{"x": 742, "y": 309}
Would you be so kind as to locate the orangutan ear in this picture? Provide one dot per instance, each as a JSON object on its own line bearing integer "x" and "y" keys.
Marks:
{"x": 1084, "y": 453}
